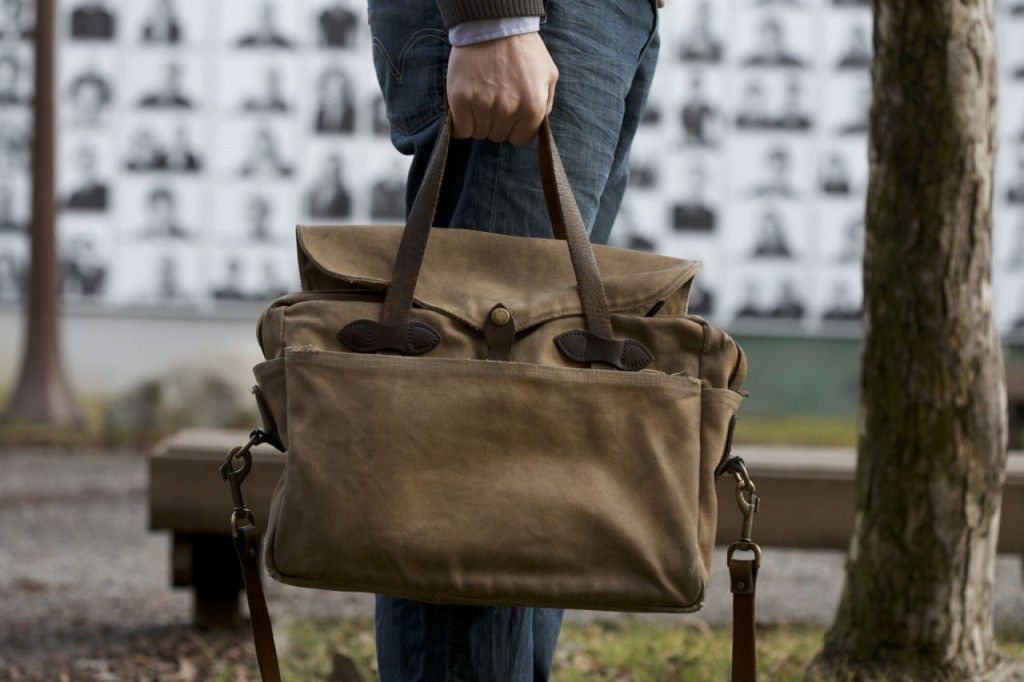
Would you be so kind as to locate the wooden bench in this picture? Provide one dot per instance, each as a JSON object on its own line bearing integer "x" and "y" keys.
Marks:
{"x": 807, "y": 502}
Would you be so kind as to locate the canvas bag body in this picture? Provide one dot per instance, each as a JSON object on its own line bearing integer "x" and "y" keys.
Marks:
{"x": 494, "y": 469}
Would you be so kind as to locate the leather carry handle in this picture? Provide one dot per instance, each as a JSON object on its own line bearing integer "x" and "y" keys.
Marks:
{"x": 565, "y": 220}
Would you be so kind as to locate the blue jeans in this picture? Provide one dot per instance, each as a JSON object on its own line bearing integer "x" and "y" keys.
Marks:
{"x": 606, "y": 51}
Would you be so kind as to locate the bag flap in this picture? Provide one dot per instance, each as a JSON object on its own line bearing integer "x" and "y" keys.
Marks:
{"x": 466, "y": 272}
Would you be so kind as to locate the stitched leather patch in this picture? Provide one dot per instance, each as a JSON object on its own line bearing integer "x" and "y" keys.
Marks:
{"x": 407, "y": 338}
{"x": 583, "y": 346}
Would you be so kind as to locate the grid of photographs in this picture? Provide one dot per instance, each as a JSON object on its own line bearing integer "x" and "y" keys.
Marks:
{"x": 193, "y": 135}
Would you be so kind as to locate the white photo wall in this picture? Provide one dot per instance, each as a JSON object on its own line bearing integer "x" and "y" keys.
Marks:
{"x": 195, "y": 134}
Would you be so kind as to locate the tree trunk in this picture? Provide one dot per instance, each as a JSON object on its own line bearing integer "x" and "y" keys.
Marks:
{"x": 917, "y": 602}
{"x": 42, "y": 395}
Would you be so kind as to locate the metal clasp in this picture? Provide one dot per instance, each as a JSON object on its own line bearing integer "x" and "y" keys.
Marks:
{"x": 748, "y": 503}
{"x": 236, "y": 476}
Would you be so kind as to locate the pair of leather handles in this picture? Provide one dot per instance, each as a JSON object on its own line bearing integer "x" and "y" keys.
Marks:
{"x": 565, "y": 219}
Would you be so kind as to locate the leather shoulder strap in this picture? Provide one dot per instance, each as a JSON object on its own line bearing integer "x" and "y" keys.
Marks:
{"x": 247, "y": 544}
{"x": 743, "y": 583}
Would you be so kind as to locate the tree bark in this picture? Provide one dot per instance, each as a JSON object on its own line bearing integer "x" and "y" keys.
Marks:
{"x": 917, "y": 602}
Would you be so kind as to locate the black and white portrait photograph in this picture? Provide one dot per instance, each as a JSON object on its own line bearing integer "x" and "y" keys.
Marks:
{"x": 328, "y": 196}
{"x": 145, "y": 152}
{"x": 335, "y": 112}
{"x": 379, "y": 114}
{"x": 264, "y": 28}
{"x": 701, "y": 41}
{"x": 776, "y": 174}
{"x": 851, "y": 247}
{"x": 167, "y": 89}
{"x": 771, "y": 238}
{"x": 182, "y": 153}
{"x": 772, "y": 45}
{"x": 794, "y": 114}
{"x": 13, "y": 84}
{"x": 17, "y": 20}
{"x": 835, "y": 174}
{"x": 842, "y": 305}
{"x": 90, "y": 97}
{"x": 163, "y": 214}
{"x": 247, "y": 279}
{"x": 93, "y": 20}
{"x": 259, "y": 214}
{"x": 855, "y": 120}
{"x": 264, "y": 156}
{"x": 699, "y": 115}
{"x": 695, "y": 212}
{"x": 15, "y": 147}
{"x": 83, "y": 269}
{"x": 773, "y": 102}
{"x": 769, "y": 295}
{"x": 163, "y": 23}
{"x": 268, "y": 96}
{"x": 387, "y": 194}
{"x": 752, "y": 109}
{"x": 338, "y": 25}
{"x": 643, "y": 173}
{"x": 159, "y": 273}
{"x": 12, "y": 217}
{"x": 789, "y": 302}
{"x": 855, "y": 52}
{"x": 89, "y": 191}
{"x": 169, "y": 148}
{"x": 230, "y": 274}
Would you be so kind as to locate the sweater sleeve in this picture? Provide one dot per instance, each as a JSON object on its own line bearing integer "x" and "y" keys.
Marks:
{"x": 457, "y": 11}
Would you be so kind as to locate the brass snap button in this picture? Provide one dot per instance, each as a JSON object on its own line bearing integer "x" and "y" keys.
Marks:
{"x": 501, "y": 316}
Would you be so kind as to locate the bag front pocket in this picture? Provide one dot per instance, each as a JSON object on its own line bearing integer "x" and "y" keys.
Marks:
{"x": 471, "y": 481}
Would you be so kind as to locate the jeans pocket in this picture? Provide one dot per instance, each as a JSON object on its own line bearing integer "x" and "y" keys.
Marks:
{"x": 410, "y": 57}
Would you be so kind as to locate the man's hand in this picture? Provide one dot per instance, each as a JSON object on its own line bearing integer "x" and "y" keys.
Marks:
{"x": 501, "y": 89}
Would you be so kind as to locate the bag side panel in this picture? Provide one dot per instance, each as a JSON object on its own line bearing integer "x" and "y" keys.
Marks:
{"x": 582, "y": 488}
{"x": 717, "y": 409}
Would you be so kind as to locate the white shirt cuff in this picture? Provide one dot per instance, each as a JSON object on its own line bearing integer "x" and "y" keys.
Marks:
{"x": 472, "y": 32}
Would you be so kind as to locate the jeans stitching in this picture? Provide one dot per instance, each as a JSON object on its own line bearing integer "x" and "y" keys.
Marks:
{"x": 397, "y": 69}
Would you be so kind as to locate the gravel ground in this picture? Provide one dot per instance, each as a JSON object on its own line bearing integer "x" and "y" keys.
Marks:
{"x": 82, "y": 580}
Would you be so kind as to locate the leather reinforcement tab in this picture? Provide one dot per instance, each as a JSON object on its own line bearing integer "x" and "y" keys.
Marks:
{"x": 583, "y": 346}
{"x": 499, "y": 333}
{"x": 407, "y": 338}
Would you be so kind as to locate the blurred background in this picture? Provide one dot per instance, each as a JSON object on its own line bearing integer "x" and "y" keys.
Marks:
{"x": 193, "y": 135}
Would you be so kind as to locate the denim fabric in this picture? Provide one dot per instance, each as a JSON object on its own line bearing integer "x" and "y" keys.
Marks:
{"x": 606, "y": 51}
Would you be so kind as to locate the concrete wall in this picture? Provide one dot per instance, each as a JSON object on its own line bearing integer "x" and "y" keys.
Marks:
{"x": 107, "y": 352}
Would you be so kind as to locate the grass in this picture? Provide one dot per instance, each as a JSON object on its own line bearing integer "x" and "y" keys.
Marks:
{"x": 797, "y": 430}
{"x": 631, "y": 650}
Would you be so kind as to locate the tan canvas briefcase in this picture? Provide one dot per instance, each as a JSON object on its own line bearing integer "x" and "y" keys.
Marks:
{"x": 475, "y": 418}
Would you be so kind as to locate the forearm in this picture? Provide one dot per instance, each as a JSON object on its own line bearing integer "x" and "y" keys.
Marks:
{"x": 456, "y": 11}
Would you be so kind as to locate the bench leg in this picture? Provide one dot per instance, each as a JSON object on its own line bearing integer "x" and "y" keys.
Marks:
{"x": 1016, "y": 425}
{"x": 215, "y": 578}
